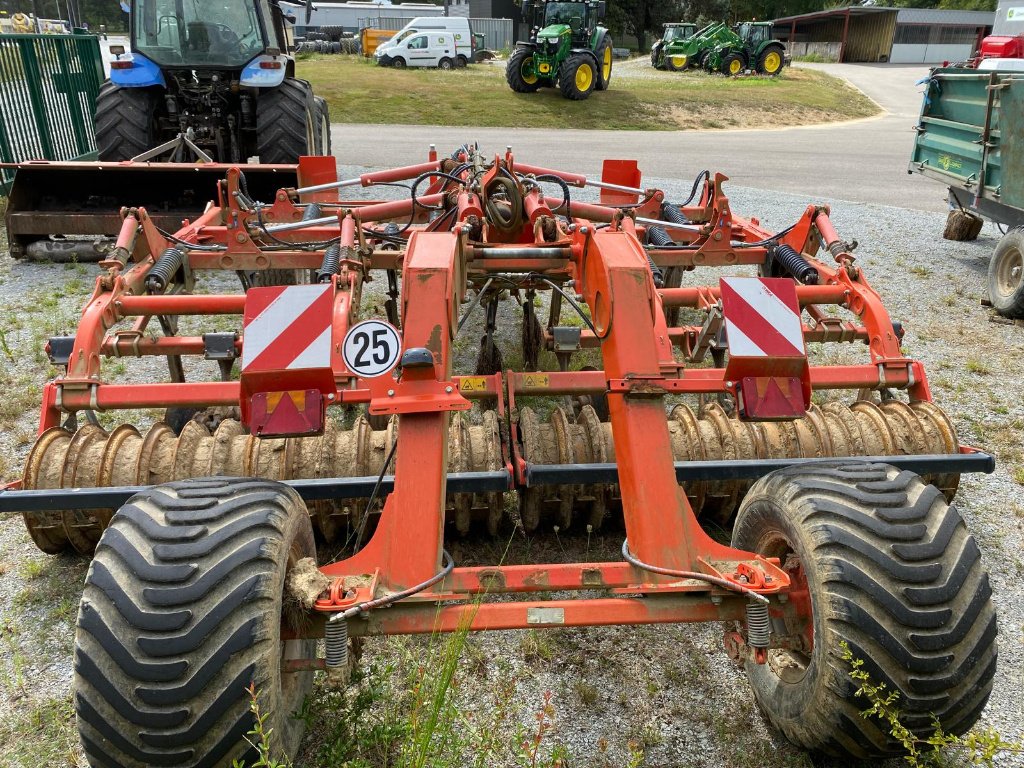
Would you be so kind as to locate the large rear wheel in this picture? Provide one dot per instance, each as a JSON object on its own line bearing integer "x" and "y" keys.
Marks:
{"x": 182, "y": 612}
{"x": 287, "y": 122}
{"x": 770, "y": 61}
{"x": 677, "y": 62}
{"x": 577, "y": 77}
{"x": 879, "y": 561}
{"x": 732, "y": 65}
{"x": 125, "y": 122}
{"x": 323, "y": 116}
{"x": 521, "y": 72}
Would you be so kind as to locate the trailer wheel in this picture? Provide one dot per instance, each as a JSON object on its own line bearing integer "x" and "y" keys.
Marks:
{"x": 881, "y": 562}
{"x": 521, "y": 72}
{"x": 182, "y": 612}
{"x": 604, "y": 59}
{"x": 577, "y": 77}
{"x": 125, "y": 122}
{"x": 286, "y": 122}
{"x": 1006, "y": 275}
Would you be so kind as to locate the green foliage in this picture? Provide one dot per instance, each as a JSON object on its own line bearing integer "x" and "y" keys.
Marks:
{"x": 260, "y": 736}
{"x": 978, "y": 747}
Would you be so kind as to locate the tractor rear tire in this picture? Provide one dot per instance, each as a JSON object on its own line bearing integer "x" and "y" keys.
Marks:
{"x": 577, "y": 77}
{"x": 323, "y": 114}
{"x": 605, "y": 58}
{"x": 286, "y": 122}
{"x": 887, "y": 567}
{"x": 125, "y": 122}
{"x": 519, "y": 80}
{"x": 732, "y": 65}
{"x": 1006, "y": 275}
{"x": 770, "y": 62}
{"x": 181, "y": 613}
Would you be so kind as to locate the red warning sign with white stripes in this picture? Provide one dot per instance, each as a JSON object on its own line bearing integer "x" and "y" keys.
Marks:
{"x": 288, "y": 328}
{"x": 762, "y": 317}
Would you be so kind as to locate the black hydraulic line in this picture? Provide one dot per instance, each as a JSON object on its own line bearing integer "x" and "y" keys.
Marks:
{"x": 312, "y": 212}
{"x": 166, "y": 267}
{"x": 794, "y": 264}
{"x": 394, "y": 597}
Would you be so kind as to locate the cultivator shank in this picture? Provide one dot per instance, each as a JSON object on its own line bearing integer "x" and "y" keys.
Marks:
{"x": 698, "y": 390}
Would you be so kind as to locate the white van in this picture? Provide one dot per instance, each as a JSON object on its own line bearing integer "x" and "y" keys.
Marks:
{"x": 442, "y": 41}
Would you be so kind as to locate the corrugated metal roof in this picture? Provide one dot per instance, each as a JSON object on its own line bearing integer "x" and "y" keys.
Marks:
{"x": 942, "y": 16}
{"x": 903, "y": 15}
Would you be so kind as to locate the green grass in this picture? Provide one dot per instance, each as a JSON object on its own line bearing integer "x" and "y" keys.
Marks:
{"x": 640, "y": 98}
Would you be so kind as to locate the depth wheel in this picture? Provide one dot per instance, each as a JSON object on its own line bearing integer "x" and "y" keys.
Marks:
{"x": 577, "y": 77}
{"x": 1006, "y": 275}
{"x": 881, "y": 562}
{"x": 182, "y": 612}
{"x": 521, "y": 72}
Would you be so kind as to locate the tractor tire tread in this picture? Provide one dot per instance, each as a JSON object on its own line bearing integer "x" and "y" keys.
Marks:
{"x": 282, "y": 128}
{"x": 514, "y": 75}
{"x": 124, "y": 122}
{"x": 907, "y": 592}
{"x": 567, "y": 82}
{"x": 164, "y": 653}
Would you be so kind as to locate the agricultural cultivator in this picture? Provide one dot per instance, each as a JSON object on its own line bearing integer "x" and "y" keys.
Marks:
{"x": 335, "y": 446}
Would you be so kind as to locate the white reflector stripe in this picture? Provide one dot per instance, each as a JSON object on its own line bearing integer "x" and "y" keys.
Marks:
{"x": 316, "y": 355}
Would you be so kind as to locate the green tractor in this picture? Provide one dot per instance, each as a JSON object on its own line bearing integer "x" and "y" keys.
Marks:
{"x": 692, "y": 51}
{"x": 752, "y": 47}
{"x": 670, "y": 45}
{"x": 568, "y": 46}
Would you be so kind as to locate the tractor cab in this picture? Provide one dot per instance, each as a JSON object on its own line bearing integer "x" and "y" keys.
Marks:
{"x": 576, "y": 21}
{"x": 678, "y": 32}
{"x": 754, "y": 33}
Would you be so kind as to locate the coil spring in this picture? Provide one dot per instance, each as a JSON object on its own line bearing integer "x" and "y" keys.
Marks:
{"x": 313, "y": 211}
{"x": 330, "y": 265}
{"x": 671, "y": 213}
{"x": 166, "y": 266}
{"x": 795, "y": 264}
{"x": 336, "y": 641}
{"x": 758, "y": 624}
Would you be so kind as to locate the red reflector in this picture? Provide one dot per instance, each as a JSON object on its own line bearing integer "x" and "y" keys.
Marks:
{"x": 122, "y": 64}
{"x": 271, "y": 65}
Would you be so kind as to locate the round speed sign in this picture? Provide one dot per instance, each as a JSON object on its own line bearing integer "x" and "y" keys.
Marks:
{"x": 372, "y": 348}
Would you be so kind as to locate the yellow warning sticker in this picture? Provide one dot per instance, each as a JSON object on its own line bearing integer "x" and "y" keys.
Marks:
{"x": 537, "y": 380}
{"x": 948, "y": 163}
{"x": 473, "y": 384}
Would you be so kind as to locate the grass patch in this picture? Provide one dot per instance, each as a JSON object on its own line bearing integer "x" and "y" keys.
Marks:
{"x": 640, "y": 98}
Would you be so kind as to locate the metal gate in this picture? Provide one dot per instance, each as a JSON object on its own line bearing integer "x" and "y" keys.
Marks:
{"x": 48, "y": 89}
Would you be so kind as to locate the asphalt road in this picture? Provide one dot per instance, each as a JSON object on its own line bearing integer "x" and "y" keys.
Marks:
{"x": 862, "y": 161}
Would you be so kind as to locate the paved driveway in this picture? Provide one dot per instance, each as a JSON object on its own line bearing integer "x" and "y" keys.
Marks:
{"x": 863, "y": 161}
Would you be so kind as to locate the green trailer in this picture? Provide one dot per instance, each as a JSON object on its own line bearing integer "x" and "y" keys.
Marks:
{"x": 964, "y": 117}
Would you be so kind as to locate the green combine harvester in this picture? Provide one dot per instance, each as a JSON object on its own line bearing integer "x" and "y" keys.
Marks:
{"x": 665, "y": 53}
{"x": 568, "y": 47}
{"x": 749, "y": 46}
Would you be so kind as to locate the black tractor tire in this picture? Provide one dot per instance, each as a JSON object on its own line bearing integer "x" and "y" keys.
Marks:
{"x": 125, "y": 122}
{"x": 573, "y": 80}
{"x": 890, "y": 570}
{"x": 673, "y": 63}
{"x": 730, "y": 64}
{"x": 286, "y": 119}
{"x": 446, "y": 64}
{"x": 323, "y": 114}
{"x": 514, "y": 76}
{"x": 605, "y": 59}
{"x": 654, "y": 58}
{"x": 181, "y": 613}
{"x": 1006, "y": 275}
{"x": 771, "y": 61}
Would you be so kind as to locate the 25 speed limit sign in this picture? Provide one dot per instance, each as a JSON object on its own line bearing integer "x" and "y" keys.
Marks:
{"x": 372, "y": 348}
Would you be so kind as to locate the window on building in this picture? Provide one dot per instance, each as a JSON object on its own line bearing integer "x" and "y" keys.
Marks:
{"x": 912, "y": 34}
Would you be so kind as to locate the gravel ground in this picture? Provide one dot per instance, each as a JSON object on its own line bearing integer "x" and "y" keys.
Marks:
{"x": 669, "y": 690}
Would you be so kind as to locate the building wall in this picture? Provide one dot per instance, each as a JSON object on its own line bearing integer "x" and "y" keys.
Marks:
{"x": 1009, "y": 18}
{"x": 870, "y": 37}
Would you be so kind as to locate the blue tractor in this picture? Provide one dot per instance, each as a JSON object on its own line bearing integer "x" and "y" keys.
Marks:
{"x": 215, "y": 77}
